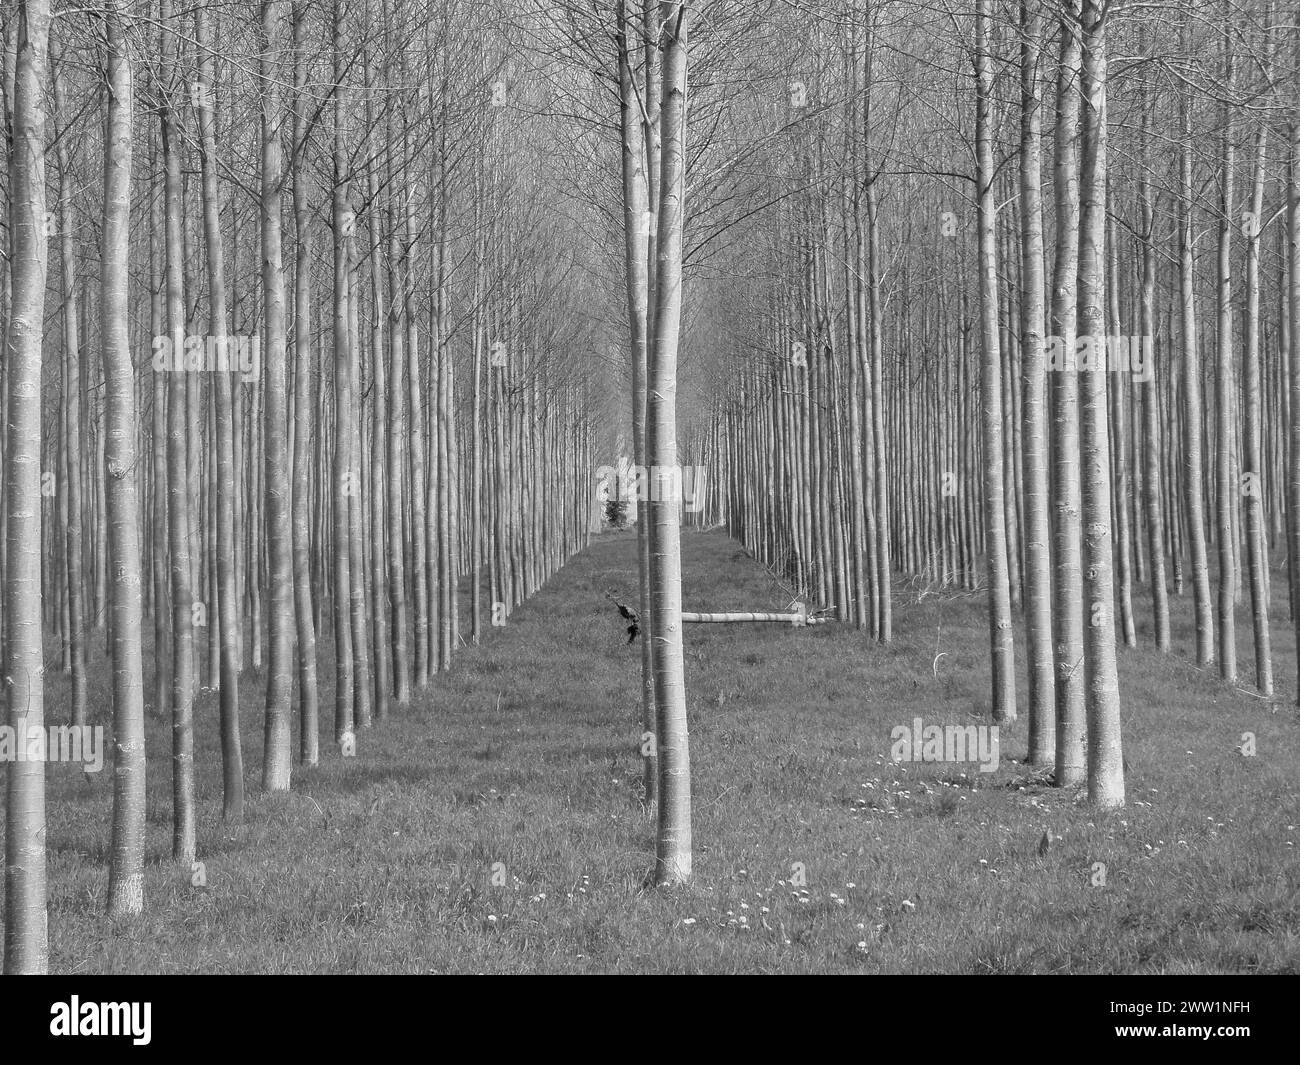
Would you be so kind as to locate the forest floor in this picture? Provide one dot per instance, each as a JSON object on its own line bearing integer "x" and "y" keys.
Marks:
{"x": 813, "y": 851}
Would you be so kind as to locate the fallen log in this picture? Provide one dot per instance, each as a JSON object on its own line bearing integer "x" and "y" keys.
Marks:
{"x": 727, "y": 617}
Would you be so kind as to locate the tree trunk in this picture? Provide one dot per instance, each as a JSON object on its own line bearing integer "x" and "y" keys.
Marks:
{"x": 1038, "y": 526}
{"x": 344, "y": 475}
{"x": 673, "y": 836}
{"x": 1253, "y": 474}
{"x": 1226, "y": 491}
{"x": 126, "y": 868}
{"x": 638, "y": 233}
{"x": 308, "y": 697}
{"x": 999, "y": 591}
{"x": 1151, "y": 392}
{"x": 1071, "y": 758}
{"x": 1105, "y": 756}
{"x": 26, "y": 941}
{"x": 178, "y": 512}
{"x": 277, "y": 741}
{"x": 226, "y": 599}
{"x": 1194, "y": 485}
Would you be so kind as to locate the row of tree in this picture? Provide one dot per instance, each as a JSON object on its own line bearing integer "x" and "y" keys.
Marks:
{"x": 1030, "y": 259}
{"x": 296, "y": 359}
{"x": 879, "y": 253}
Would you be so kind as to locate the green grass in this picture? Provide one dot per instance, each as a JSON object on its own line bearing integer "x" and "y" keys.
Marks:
{"x": 524, "y": 754}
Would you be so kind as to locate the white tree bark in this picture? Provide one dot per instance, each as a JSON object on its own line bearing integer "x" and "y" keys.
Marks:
{"x": 673, "y": 838}
{"x": 26, "y": 943}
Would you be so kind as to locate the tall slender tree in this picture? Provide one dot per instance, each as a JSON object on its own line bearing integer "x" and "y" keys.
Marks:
{"x": 673, "y": 837}
{"x": 126, "y": 869}
{"x": 1105, "y": 758}
{"x": 1067, "y": 617}
{"x": 218, "y": 331}
{"x": 26, "y": 939}
{"x": 1038, "y": 527}
{"x": 999, "y": 588}
{"x": 278, "y": 758}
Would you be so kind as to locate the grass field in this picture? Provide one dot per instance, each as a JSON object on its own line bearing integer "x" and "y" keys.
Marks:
{"x": 519, "y": 766}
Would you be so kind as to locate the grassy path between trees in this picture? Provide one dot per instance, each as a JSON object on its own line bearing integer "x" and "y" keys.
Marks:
{"x": 813, "y": 852}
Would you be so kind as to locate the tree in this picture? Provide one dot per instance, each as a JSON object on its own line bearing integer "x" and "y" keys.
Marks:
{"x": 343, "y": 223}
{"x": 1105, "y": 757}
{"x": 1293, "y": 313}
{"x": 1193, "y": 431}
{"x": 26, "y": 942}
{"x": 178, "y": 511}
{"x": 1038, "y": 528}
{"x": 71, "y": 483}
{"x": 126, "y": 875}
{"x": 304, "y": 619}
{"x": 1225, "y": 391}
{"x": 637, "y": 232}
{"x": 999, "y": 589}
{"x": 1067, "y": 618}
{"x": 673, "y": 836}
{"x": 1151, "y": 412}
{"x": 279, "y": 678}
{"x": 1253, "y": 466}
{"x": 227, "y": 607}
